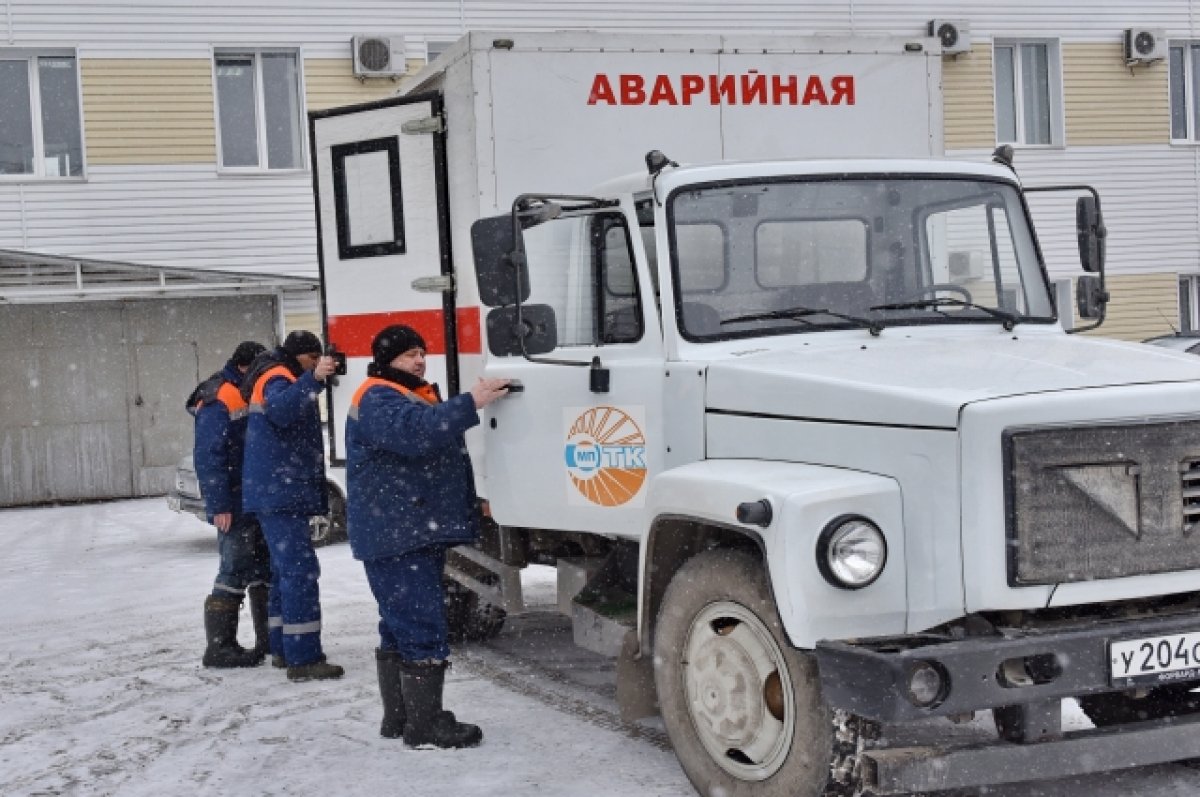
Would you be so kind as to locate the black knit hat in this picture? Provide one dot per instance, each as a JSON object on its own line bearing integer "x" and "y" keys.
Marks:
{"x": 245, "y": 353}
{"x": 301, "y": 342}
{"x": 393, "y": 341}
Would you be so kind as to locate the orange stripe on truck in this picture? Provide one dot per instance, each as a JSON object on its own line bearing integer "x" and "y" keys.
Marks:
{"x": 352, "y": 334}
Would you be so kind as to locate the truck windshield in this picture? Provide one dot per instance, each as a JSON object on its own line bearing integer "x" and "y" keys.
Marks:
{"x": 800, "y": 256}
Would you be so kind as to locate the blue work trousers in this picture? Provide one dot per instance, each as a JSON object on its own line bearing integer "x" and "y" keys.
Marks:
{"x": 295, "y": 569}
{"x": 411, "y": 598}
{"x": 244, "y": 558}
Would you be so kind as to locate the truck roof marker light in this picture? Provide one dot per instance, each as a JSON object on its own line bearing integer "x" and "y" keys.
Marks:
{"x": 656, "y": 161}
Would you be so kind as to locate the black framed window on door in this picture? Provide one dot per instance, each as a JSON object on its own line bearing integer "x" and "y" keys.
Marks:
{"x": 368, "y": 199}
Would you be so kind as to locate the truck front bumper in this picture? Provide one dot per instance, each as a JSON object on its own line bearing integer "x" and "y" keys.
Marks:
{"x": 871, "y": 677}
{"x": 1032, "y": 670}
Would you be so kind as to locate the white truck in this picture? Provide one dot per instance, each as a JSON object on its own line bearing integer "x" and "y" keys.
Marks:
{"x": 812, "y": 428}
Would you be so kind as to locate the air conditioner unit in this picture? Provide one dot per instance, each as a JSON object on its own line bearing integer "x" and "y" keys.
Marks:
{"x": 954, "y": 34}
{"x": 1145, "y": 45}
{"x": 964, "y": 266}
{"x": 378, "y": 56}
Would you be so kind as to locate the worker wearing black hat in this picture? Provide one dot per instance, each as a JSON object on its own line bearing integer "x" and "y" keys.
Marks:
{"x": 284, "y": 484}
{"x": 245, "y": 567}
{"x": 411, "y": 495}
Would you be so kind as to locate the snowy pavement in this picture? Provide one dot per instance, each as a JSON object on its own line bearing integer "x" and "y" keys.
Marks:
{"x": 102, "y": 692}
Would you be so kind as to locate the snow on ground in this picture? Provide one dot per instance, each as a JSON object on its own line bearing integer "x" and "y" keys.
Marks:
{"x": 102, "y": 692}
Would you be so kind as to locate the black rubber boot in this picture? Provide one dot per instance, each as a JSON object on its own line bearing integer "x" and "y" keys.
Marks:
{"x": 428, "y": 725}
{"x": 258, "y": 614}
{"x": 387, "y": 665}
{"x": 220, "y": 626}
{"x": 319, "y": 670}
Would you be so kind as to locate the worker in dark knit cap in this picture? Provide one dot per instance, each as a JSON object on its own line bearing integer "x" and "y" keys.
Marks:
{"x": 411, "y": 495}
{"x": 284, "y": 484}
{"x": 245, "y": 567}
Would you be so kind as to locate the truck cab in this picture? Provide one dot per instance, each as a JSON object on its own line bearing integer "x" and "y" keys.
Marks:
{"x": 868, "y": 475}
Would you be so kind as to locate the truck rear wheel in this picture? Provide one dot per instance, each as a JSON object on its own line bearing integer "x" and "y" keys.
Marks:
{"x": 743, "y": 709}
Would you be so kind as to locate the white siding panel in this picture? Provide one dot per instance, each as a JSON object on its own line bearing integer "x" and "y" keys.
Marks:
{"x": 1148, "y": 195}
{"x": 170, "y": 216}
{"x": 183, "y": 28}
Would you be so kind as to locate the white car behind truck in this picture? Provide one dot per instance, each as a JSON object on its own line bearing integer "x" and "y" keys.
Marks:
{"x": 812, "y": 428}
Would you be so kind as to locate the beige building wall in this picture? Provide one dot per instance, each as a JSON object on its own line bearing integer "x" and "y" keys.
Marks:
{"x": 1142, "y": 306}
{"x": 1107, "y": 102}
{"x": 161, "y": 111}
{"x": 969, "y": 105}
{"x": 148, "y": 111}
{"x": 330, "y": 82}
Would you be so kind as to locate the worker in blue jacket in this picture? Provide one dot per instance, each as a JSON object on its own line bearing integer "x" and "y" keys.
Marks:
{"x": 410, "y": 496}
{"x": 284, "y": 485}
{"x": 245, "y": 566}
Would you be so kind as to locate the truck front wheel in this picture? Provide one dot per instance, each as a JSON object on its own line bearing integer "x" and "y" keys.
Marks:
{"x": 743, "y": 709}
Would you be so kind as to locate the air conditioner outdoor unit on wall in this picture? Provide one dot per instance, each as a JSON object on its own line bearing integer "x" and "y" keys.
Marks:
{"x": 954, "y": 34}
{"x": 378, "y": 56}
{"x": 1145, "y": 45}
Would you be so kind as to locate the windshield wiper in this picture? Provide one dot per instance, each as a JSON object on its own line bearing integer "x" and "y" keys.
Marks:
{"x": 801, "y": 314}
{"x": 1009, "y": 320}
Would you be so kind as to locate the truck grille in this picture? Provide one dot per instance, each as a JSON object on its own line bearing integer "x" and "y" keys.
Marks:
{"x": 1102, "y": 501}
{"x": 1190, "y": 484}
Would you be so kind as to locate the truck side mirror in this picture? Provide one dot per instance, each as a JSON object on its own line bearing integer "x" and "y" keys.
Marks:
{"x": 1090, "y": 297}
{"x": 1089, "y": 226}
{"x": 496, "y": 268}
{"x": 536, "y": 327}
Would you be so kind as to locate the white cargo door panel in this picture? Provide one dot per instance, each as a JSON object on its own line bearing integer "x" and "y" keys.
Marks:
{"x": 383, "y": 223}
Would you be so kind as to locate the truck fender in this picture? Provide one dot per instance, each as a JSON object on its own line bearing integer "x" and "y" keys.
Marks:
{"x": 693, "y": 508}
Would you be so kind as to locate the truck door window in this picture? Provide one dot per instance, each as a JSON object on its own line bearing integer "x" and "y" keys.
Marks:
{"x": 582, "y": 267}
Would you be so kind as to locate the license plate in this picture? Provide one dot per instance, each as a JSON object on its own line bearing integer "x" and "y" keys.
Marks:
{"x": 1155, "y": 660}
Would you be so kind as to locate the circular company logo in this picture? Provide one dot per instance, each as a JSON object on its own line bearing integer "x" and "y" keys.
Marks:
{"x": 606, "y": 456}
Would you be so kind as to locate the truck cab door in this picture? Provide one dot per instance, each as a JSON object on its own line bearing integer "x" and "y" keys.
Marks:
{"x": 563, "y": 453}
{"x": 383, "y": 223}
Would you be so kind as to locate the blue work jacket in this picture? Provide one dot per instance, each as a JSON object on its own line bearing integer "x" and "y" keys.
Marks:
{"x": 409, "y": 480}
{"x": 285, "y": 454}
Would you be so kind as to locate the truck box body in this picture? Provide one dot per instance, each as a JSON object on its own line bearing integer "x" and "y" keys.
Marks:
{"x": 530, "y": 114}
{"x": 799, "y": 383}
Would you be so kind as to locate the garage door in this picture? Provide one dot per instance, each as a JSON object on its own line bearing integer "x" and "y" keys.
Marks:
{"x": 96, "y": 409}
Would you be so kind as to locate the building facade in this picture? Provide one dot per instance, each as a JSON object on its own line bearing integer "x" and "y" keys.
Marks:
{"x": 174, "y": 134}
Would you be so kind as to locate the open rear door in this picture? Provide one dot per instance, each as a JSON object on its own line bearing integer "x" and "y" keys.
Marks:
{"x": 379, "y": 179}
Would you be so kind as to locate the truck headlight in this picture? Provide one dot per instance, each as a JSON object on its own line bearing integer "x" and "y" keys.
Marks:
{"x": 851, "y": 552}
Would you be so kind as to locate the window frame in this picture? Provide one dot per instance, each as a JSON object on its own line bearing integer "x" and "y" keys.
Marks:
{"x": 256, "y": 52}
{"x": 30, "y": 55}
{"x": 1054, "y": 90}
{"x": 1191, "y": 105}
{"x": 1189, "y": 302}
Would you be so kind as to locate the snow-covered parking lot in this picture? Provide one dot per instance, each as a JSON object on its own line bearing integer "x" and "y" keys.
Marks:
{"x": 102, "y": 692}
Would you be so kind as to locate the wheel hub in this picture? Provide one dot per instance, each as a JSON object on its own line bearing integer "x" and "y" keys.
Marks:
{"x": 738, "y": 691}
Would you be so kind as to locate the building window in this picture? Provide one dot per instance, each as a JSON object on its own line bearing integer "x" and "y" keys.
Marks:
{"x": 40, "y": 125}
{"x": 1028, "y": 93}
{"x": 259, "y": 110}
{"x": 1185, "y": 91}
{"x": 1189, "y": 303}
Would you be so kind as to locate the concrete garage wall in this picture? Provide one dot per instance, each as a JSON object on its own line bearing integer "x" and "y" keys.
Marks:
{"x": 96, "y": 408}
